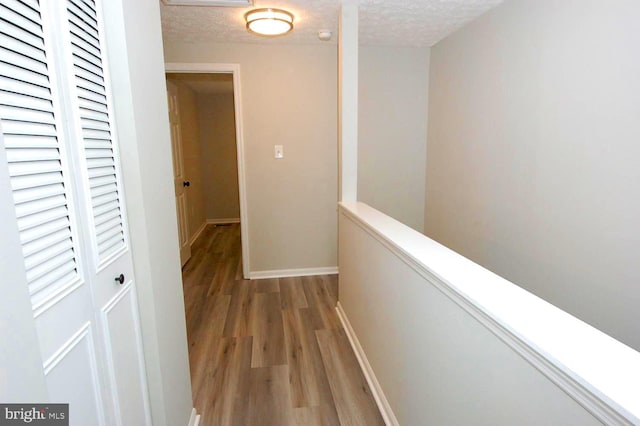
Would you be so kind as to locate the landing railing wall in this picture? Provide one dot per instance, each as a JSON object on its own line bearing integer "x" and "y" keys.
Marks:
{"x": 444, "y": 341}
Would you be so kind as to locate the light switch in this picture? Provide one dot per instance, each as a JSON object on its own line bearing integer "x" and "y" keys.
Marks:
{"x": 279, "y": 152}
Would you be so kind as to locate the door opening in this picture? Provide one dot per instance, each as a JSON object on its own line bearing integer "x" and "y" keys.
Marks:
{"x": 205, "y": 105}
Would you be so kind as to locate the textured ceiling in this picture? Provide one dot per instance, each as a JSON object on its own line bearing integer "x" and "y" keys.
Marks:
{"x": 382, "y": 22}
{"x": 206, "y": 83}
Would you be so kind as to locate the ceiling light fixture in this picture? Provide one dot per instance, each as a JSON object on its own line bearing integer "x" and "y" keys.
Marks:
{"x": 269, "y": 22}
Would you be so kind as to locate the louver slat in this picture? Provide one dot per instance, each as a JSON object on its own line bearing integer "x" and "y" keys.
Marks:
{"x": 90, "y": 76}
{"x": 99, "y": 201}
{"x": 94, "y": 100}
{"x": 63, "y": 269}
{"x": 42, "y": 224}
{"x": 31, "y": 64}
{"x": 96, "y": 144}
{"x": 23, "y": 16}
{"x": 32, "y": 74}
{"x": 57, "y": 244}
{"x": 77, "y": 30}
{"x": 36, "y": 239}
{"x": 91, "y": 5}
{"x": 21, "y": 101}
{"x": 85, "y": 12}
{"x": 17, "y": 39}
{"x": 34, "y": 167}
{"x": 28, "y": 115}
{"x": 32, "y": 194}
{"x": 31, "y": 141}
{"x": 94, "y": 113}
{"x": 29, "y": 46}
{"x": 10, "y": 85}
{"x": 87, "y": 65}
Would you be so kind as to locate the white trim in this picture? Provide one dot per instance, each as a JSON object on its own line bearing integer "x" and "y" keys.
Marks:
{"x": 284, "y": 273}
{"x": 348, "y": 102}
{"x": 67, "y": 347}
{"x": 606, "y": 385}
{"x": 127, "y": 289}
{"x": 140, "y": 352}
{"x": 233, "y": 69}
{"x": 56, "y": 296}
{"x": 82, "y": 335}
{"x": 223, "y": 221}
{"x": 194, "y": 420}
{"x": 381, "y": 400}
{"x": 105, "y": 311}
{"x": 198, "y": 232}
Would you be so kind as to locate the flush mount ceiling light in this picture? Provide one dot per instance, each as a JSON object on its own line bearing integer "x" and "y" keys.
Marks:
{"x": 269, "y": 21}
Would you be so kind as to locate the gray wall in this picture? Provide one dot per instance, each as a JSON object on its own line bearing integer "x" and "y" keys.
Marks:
{"x": 289, "y": 97}
{"x": 392, "y": 130}
{"x": 533, "y": 147}
{"x": 219, "y": 159}
{"x": 436, "y": 363}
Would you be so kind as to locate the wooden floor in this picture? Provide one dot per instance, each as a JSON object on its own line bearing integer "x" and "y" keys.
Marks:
{"x": 267, "y": 352}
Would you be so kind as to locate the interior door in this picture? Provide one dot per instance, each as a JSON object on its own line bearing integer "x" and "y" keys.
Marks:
{"x": 180, "y": 182}
{"x": 60, "y": 141}
{"x": 100, "y": 192}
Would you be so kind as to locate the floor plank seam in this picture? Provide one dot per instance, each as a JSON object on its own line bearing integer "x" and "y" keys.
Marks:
{"x": 271, "y": 351}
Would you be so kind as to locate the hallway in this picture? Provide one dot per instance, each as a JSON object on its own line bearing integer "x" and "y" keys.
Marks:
{"x": 267, "y": 352}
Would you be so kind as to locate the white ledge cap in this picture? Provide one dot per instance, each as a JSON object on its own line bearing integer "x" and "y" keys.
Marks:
{"x": 603, "y": 369}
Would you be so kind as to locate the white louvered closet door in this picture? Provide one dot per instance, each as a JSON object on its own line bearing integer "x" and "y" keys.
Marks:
{"x": 60, "y": 142}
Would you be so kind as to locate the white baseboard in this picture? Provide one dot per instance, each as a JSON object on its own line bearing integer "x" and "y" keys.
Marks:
{"x": 223, "y": 221}
{"x": 194, "y": 420}
{"x": 383, "y": 405}
{"x": 197, "y": 234}
{"x": 283, "y": 273}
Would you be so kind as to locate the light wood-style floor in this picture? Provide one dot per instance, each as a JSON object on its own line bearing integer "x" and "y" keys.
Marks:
{"x": 267, "y": 352}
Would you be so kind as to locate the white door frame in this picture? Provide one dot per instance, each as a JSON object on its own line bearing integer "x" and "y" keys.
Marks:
{"x": 234, "y": 70}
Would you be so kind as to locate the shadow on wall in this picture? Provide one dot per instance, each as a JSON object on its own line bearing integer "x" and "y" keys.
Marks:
{"x": 219, "y": 164}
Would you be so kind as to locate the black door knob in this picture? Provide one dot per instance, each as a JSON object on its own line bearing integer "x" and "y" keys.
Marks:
{"x": 186, "y": 183}
{"x": 120, "y": 279}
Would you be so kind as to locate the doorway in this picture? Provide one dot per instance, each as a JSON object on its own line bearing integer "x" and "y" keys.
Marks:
{"x": 213, "y": 116}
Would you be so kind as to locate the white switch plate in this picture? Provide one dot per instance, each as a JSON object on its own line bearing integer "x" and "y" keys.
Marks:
{"x": 278, "y": 152}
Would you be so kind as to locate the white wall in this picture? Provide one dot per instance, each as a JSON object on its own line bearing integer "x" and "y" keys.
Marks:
{"x": 288, "y": 98}
{"x": 219, "y": 159}
{"x": 436, "y": 363}
{"x": 392, "y": 130}
{"x": 140, "y": 97}
{"x": 532, "y": 159}
{"x": 348, "y": 59}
